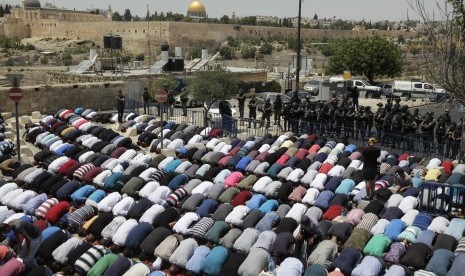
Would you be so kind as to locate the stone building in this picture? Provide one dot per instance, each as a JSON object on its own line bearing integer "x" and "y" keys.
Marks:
{"x": 197, "y": 11}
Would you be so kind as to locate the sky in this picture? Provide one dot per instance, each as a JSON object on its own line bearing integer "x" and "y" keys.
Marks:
{"x": 374, "y": 10}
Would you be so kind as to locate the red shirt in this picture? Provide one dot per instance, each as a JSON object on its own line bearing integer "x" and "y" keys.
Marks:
{"x": 283, "y": 159}
{"x": 403, "y": 157}
{"x": 90, "y": 175}
{"x": 301, "y": 154}
{"x": 325, "y": 168}
{"x": 314, "y": 149}
{"x": 234, "y": 151}
{"x": 118, "y": 152}
{"x": 241, "y": 198}
{"x": 66, "y": 166}
{"x": 332, "y": 212}
{"x": 57, "y": 211}
{"x": 448, "y": 167}
{"x": 224, "y": 161}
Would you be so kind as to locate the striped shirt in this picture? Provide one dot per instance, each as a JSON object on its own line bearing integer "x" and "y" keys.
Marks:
{"x": 79, "y": 173}
{"x": 200, "y": 228}
{"x": 80, "y": 216}
{"x": 43, "y": 209}
{"x": 89, "y": 258}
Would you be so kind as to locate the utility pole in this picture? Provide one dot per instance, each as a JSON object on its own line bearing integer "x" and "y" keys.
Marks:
{"x": 148, "y": 41}
{"x": 297, "y": 74}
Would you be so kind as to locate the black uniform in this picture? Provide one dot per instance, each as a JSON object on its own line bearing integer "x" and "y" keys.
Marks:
{"x": 241, "y": 99}
{"x": 277, "y": 107}
{"x": 252, "y": 109}
{"x": 267, "y": 110}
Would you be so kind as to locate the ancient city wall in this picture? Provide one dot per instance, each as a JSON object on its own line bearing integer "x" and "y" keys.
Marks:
{"x": 51, "y": 98}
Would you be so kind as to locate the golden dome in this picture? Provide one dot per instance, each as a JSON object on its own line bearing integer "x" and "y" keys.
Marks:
{"x": 196, "y": 6}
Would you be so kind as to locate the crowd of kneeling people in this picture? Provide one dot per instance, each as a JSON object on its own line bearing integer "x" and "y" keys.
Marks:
{"x": 95, "y": 203}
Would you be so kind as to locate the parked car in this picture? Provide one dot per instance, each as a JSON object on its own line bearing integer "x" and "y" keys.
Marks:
{"x": 190, "y": 102}
{"x": 262, "y": 97}
{"x": 313, "y": 87}
{"x": 214, "y": 111}
{"x": 302, "y": 94}
{"x": 386, "y": 90}
{"x": 363, "y": 86}
{"x": 417, "y": 89}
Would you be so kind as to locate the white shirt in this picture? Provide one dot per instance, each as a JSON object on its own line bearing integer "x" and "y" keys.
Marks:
{"x": 15, "y": 216}
{"x": 100, "y": 178}
{"x": 202, "y": 188}
{"x": 408, "y": 203}
{"x": 263, "y": 148}
{"x": 32, "y": 175}
{"x": 5, "y": 189}
{"x": 110, "y": 164}
{"x": 60, "y": 254}
{"x": 206, "y": 131}
{"x": 89, "y": 142}
{"x": 409, "y": 217}
{"x": 84, "y": 137}
{"x": 57, "y": 163}
{"x": 140, "y": 159}
{"x": 226, "y": 149}
{"x": 297, "y": 211}
{"x": 127, "y": 155}
{"x": 19, "y": 201}
{"x": 319, "y": 181}
{"x": 108, "y": 202}
{"x": 336, "y": 171}
{"x": 183, "y": 167}
{"x": 394, "y": 200}
{"x": 182, "y": 225}
{"x": 355, "y": 164}
{"x": 151, "y": 214}
{"x": 290, "y": 267}
{"x": 56, "y": 145}
{"x": 145, "y": 175}
{"x": 109, "y": 230}
{"x": 272, "y": 188}
{"x": 218, "y": 147}
{"x": 311, "y": 196}
{"x": 160, "y": 194}
{"x": 195, "y": 139}
{"x": 148, "y": 189}
{"x": 439, "y": 225}
{"x": 212, "y": 143}
{"x": 82, "y": 158}
{"x": 221, "y": 176}
{"x": 122, "y": 207}
{"x": 295, "y": 175}
{"x": 122, "y": 233}
{"x": 309, "y": 177}
{"x": 237, "y": 215}
{"x": 86, "y": 126}
{"x": 285, "y": 172}
{"x": 175, "y": 144}
{"x": 260, "y": 185}
{"x": 164, "y": 163}
{"x": 118, "y": 168}
{"x": 379, "y": 227}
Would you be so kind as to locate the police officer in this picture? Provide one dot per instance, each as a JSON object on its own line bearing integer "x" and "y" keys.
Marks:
{"x": 427, "y": 129}
{"x": 294, "y": 117}
{"x": 355, "y": 95}
{"x": 397, "y": 104}
{"x": 267, "y": 110}
{"x": 442, "y": 123}
{"x": 387, "y": 128}
{"x": 146, "y": 99}
{"x": 409, "y": 130}
{"x": 184, "y": 99}
{"x": 449, "y": 138}
{"x": 417, "y": 116}
{"x": 277, "y": 106}
{"x": 312, "y": 117}
{"x": 252, "y": 109}
{"x": 445, "y": 117}
{"x": 369, "y": 118}
{"x": 360, "y": 122}
{"x": 241, "y": 99}
{"x": 456, "y": 138}
{"x": 388, "y": 106}
{"x": 349, "y": 122}
{"x": 334, "y": 101}
{"x": 286, "y": 114}
{"x": 379, "y": 119}
{"x": 397, "y": 126}
{"x": 339, "y": 118}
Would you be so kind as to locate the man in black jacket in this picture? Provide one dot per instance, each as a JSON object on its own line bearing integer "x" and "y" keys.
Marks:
{"x": 277, "y": 106}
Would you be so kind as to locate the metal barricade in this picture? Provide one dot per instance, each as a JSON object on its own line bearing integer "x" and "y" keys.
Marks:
{"x": 442, "y": 199}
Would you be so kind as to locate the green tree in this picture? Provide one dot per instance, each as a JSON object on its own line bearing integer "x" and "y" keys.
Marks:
{"x": 235, "y": 43}
{"x": 315, "y": 17}
{"x": 248, "y": 52}
{"x": 2, "y": 11}
{"x": 117, "y": 17}
{"x": 368, "y": 56}
{"x": 227, "y": 52}
{"x": 224, "y": 19}
{"x": 127, "y": 15}
{"x": 7, "y": 9}
{"x": 266, "y": 48}
{"x": 67, "y": 59}
{"x": 140, "y": 57}
{"x": 210, "y": 86}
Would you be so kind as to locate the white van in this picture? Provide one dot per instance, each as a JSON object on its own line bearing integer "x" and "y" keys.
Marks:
{"x": 416, "y": 89}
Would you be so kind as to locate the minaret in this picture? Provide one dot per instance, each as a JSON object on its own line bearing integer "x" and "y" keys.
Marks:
{"x": 109, "y": 13}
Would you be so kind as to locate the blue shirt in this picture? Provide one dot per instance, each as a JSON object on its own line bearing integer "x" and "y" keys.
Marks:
{"x": 346, "y": 186}
{"x": 323, "y": 199}
{"x": 49, "y": 231}
{"x": 82, "y": 193}
{"x": 171, "y": 167}
{"x": 215, "y": 260}
{"x": 63, "y": 148}
{"x": 177, "y": 181}
{"x": 267, "y": 222}
{"x": 138, "y": 234}
{"x": 110, "y": 182}
{"x": 97, "y": 196}
{"x": 422, "y": 221}
{"x": 30, "y": 207}
{"x": 351, "y": 148}
{"x": 256, "y": 201}
{"x": 394, "y": 229}
{"x": 195, "y": 262}
{"x": 207, "y": 207}
{"x": 68, "y": 189}
{"x": 268, "y": 206}
{"x": 242, "y": 164}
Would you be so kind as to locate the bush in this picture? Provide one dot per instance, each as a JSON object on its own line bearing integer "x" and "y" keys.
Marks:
{"x": 266, "y": 49}
{"x": 227, "y": 52}
{"x": 248, "y": 52}
{"x": 67, "y": 59}
{"x": 140, "y": 57}
{"x": 44, "y": 60}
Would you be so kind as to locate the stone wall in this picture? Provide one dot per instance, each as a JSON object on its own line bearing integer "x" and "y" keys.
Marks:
{"x": 47, "y": 99}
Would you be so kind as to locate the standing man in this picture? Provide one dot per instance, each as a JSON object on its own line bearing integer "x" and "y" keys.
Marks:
{"x": 146, "y": 99}
{"x": 120, "y": 99}
{"x": 171, "y": 101}
{"x": 32, "y": 237}
{"x": 277, "y": 106}
{"x": 370, "y": 156}
{"x": 184, "y": 99}
{"x": 226, "y": 115}
{"x": 355, "y": 95}
{"x": 252, "y": 110}
{"x": 241, "y": 99}
{"x": 267, "y": 110}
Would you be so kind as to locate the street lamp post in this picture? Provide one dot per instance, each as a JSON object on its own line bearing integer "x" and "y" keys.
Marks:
{"x": 297, "y": 74}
